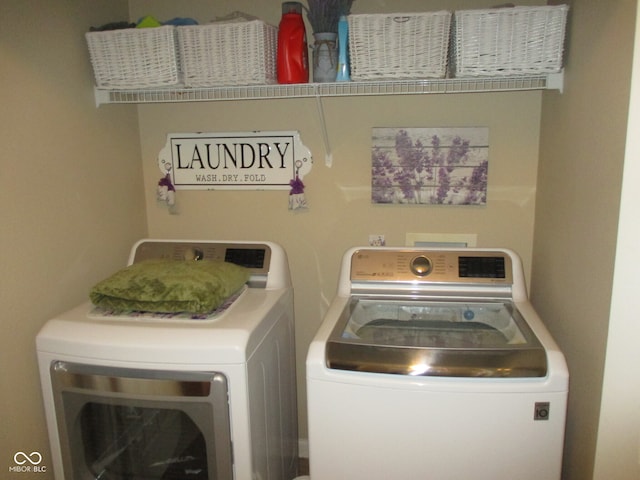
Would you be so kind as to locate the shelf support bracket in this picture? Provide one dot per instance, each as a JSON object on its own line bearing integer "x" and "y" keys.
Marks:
{"x": 328, "y": 156}
{"x": 555, "y": 81}
{"x": 101, "y": 96}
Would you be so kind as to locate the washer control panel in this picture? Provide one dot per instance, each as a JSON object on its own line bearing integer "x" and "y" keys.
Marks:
{"x": 434, "y": 266}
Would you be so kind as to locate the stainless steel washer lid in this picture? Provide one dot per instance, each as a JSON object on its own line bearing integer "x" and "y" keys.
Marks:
{"x": 459, "y": 338}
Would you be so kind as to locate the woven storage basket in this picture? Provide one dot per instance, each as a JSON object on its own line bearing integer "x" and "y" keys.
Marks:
{"x": 134, "y": 57}
{"x": 242, "y": 53}
{"x": 396, "y": 46}
{"x": 508, "y": 41}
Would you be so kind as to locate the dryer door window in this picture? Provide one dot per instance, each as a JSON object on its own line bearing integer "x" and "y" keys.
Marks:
{"x": 118, "y": 424}
{"x": 138, "y": 442}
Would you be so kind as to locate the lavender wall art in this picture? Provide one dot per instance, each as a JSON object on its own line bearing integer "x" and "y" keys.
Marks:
{"x": 430, "y": 166}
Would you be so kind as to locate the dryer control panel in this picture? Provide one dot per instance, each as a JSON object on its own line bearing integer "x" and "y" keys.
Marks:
{"x": 431, "y": 266}
{"x": 254, "y": 256}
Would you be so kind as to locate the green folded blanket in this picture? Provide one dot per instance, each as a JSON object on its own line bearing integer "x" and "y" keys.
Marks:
{"x": 169, "y": 286}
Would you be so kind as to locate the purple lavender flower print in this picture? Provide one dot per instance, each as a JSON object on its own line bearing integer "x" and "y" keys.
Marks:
{"x": 440, "y": 166}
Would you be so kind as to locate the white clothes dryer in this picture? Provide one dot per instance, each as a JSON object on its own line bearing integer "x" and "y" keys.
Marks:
{"x": 146, "y": 396}
{"x": 432, "y": 364}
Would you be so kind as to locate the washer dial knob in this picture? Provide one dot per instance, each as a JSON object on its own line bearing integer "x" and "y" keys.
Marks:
{"x": 421, "y": 266}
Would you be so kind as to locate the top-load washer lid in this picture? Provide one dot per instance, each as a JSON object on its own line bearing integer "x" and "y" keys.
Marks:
{"x": 452, "y": 338}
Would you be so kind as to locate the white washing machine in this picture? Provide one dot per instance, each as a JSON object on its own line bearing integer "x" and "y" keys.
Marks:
{"x": 145, "y": 396}
{"x": 432, "y": 364}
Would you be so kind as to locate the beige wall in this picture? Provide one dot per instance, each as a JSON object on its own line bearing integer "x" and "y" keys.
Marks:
{"x": 341, "y": 214}
{"x": 617, "y": 446}
{"x": 581, "y": 155}
{"x": 70, "y": 192}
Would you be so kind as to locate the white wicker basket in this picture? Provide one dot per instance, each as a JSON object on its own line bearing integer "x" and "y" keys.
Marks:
{"x": 508, "y": 41}
{"x": 401, "y": 45}
{"x": 242, "y": 53}
{"x": 134, "y": 57}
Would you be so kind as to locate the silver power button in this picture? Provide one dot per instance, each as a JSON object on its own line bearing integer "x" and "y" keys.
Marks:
{"x": 421, "y": 266}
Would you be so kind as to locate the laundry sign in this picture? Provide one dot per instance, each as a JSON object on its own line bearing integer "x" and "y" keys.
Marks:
{"x": 234, "y": 161}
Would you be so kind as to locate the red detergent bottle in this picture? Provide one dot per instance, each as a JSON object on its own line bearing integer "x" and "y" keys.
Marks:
{"x": 293, "y": 57}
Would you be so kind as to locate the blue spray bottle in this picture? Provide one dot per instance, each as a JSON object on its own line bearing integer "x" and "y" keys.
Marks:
{"x": 343, "y": 50}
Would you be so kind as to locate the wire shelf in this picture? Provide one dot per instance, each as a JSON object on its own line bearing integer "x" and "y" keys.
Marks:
{"x": 337, "y": 89}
